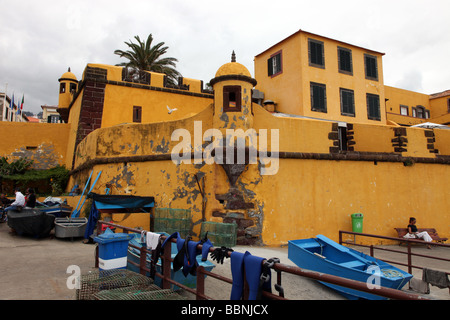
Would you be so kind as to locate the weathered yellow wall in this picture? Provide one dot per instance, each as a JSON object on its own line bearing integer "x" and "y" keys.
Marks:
{"x": 296, "y": 135}
{"x": 305, "y": 197}
{"x": 372, "y": 138}
{"x": 442, "y": 137}
{"x": 311, "y": 197}
{"x": 444, "y": 119}
{"x": 439, "y": 106}
{"x": 119, "y": 100}
{"x": 137, "y": 139}
{"x": 397, "y": 97}
{"x": 44, "y": 143}
{"x": 417, "y": 143}
{"x": 154, "y": 105}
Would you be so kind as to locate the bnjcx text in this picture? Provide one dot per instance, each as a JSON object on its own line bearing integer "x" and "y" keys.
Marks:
{"x": 248, "y": 310}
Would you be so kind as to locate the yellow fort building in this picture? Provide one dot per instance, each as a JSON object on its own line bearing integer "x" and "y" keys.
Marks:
{"x": 323, "y": 138}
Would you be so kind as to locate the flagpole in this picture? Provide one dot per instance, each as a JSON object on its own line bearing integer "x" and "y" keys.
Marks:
{"x": 4, "y": 102}
{"x": 12, "y": 108}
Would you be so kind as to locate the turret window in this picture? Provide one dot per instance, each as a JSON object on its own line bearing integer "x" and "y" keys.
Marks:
{"x": 62, "y": 87}
{"x": 232, "y": 98}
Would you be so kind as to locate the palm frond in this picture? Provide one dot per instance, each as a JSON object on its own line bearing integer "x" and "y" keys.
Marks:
{"x": 143, "y": 56}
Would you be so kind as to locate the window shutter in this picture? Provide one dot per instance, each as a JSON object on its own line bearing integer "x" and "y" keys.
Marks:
{"x": 269, "y": 67}
{"x": 278, "y": 60}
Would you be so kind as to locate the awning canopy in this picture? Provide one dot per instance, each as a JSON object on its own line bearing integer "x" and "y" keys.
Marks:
{"x": 430, "y": 125}
{"x": 118, "y": 202}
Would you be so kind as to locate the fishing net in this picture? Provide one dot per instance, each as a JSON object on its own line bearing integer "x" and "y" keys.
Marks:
{"x": 99, "y": 280}
{"x": 151, "y": 292}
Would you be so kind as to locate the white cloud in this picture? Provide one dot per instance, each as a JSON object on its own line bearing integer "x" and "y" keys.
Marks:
{"x": 39, "y": 40}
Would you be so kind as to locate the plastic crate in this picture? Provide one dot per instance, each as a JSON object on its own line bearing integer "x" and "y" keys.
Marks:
{"x": 220, "y": 234}
{"x": 173, "y": 220}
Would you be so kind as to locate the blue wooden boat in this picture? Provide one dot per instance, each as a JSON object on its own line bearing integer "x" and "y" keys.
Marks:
{"x": 189, "y": 281}
{"x": 57, "y": 209}
{"x": 323, "y": 255}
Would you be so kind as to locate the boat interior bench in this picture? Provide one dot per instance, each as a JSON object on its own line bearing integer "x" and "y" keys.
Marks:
{"x": 354, "y": 264}
{"x": 431, "y": 231}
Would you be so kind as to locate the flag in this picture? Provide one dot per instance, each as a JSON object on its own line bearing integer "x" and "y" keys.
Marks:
{"x": 12, "y": 103}
{"x": 19, "y": 107}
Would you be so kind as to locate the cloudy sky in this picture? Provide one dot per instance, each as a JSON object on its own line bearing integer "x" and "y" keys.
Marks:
{"x": 39, "y": 40}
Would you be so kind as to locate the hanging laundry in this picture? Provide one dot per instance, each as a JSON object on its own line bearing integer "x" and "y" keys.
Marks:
{"x": 436, "y": 278}
{"x": 186, "y": 257}
{"x": 253, "y": 271}
{"x": 152, "y": 240}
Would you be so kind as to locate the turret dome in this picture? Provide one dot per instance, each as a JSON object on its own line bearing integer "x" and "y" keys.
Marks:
{"x": 68, "y": 76}
{"x": 233, "y": 70}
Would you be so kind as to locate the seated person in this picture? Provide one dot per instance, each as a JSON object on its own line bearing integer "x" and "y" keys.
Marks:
{"x": 30, "y": 199}
{"x": 413, "y": 232}
{"x": 4, "y": 201}
{"x": 19, "y": 203}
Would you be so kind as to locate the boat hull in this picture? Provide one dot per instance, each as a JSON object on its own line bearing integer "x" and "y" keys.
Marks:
{"x": 326, "y": 256}
{"x": 30, "y": 221}
{"x": 59, "y": 211}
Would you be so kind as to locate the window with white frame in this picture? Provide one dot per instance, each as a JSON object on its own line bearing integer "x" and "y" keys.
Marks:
{"x": 404, "y": 110}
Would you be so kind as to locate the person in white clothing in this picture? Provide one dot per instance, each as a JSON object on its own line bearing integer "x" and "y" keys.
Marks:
{"x": 19, "y": 203}
{"x": 413, "y": 232}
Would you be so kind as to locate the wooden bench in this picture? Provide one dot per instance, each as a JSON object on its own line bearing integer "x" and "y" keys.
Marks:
{"x": 431, "y": 231}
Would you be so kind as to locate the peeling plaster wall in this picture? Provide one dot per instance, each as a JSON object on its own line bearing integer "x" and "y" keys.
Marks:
{"x": 315, "y": 190}
{"x": 44, "y": 143}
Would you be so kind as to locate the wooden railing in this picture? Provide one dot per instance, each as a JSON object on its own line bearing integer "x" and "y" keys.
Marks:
{"x": 199, "y": 291}
{"x": 409, "y": 253}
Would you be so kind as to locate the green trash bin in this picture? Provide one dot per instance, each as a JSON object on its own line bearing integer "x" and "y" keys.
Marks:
{"x": 357, "y": 222}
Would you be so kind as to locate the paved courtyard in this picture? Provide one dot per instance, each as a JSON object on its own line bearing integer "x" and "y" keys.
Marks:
{"x": 37, "y": 269}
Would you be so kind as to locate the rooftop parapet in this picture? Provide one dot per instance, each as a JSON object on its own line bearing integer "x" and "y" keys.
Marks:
{"x": 132, "y": 78}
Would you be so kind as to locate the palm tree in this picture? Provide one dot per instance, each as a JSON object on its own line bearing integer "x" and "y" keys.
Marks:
{"x": 144, "y": 56}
